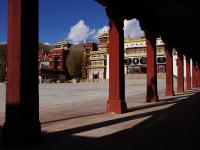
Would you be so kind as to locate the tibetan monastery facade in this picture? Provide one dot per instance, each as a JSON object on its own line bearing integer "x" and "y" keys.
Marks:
{"x": 94, "y": 61}
{"x": 135, "y": 60}
{"x": 96, "y": 58}
{"x": 135, "y": 56}
{"x": 52, "y": 64}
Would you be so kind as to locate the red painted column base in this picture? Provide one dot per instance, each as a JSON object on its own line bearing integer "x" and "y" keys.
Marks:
{"x": 152, "y": 98}
{"x": 188, "y": 83}
{"x": 180, "y": 90}
{"x": 198, "y": 77}
{"x": 169, "y": 93}
{"x": 116, "y": 107}
{"x": 21, "y": 133}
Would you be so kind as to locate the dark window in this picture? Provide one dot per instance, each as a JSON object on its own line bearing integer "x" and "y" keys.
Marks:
{"x": 135, "y": 61}
{"x": 161, "y": 60}
{"x": 143, "y": 60}
{"x": 128, "y": 61}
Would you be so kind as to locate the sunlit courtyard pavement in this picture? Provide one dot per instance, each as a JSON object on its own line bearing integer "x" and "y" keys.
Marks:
{"x": 68, "y": 100}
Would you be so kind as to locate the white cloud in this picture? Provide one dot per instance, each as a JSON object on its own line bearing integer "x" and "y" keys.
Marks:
{"x": 3, "y": 43}
{"x": 101, "y": 31}
{"x": 47, "y": 43}
{"x": 132, "y": 29}
{"x": 79, "y": 32}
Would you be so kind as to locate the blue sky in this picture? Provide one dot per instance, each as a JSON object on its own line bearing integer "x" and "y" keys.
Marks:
{"x": 74, "y": 20}
{"x": 57, "y": 16}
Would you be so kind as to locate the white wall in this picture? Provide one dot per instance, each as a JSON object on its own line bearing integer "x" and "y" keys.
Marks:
{"x": 175, "y": 68}
{"x": 107, "y": 67}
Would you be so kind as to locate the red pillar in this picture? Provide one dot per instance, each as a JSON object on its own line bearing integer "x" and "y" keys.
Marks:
{"x": 188, "y": 74}
{"x": 116, "y": 102}
{"x": 194, "y": 74}
{"x": 180, "y": 80}
{"x": 22, "y": 124}
{"x": 169, "y": 73}
{"x": 152, "y": 95}
{"x": 198, "y": 75}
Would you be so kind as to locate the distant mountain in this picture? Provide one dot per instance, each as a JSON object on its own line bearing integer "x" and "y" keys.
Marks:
{"x": 3, "y": 56}
{"x": 45, "y": 47}
{"x": 4, "y": 47}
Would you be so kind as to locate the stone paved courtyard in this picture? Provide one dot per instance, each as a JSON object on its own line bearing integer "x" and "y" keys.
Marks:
{"x": 68, "y": 100}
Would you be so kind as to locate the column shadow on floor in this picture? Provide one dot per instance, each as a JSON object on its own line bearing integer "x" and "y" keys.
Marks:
{"x": 172, "y": 128}
{"x": 176, "y": 127}
{"x": 192, "y": 91}
{"x": 165, "y": 101}
{"x": 0, "y": 132}
{"x": 47, "y": 123}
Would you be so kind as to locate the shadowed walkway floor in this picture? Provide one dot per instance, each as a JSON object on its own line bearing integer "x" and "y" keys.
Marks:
{"x": 171, "y": 124}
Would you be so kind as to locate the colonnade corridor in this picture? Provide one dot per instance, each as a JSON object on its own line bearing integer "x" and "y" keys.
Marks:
{"x": 159, "y": 122}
